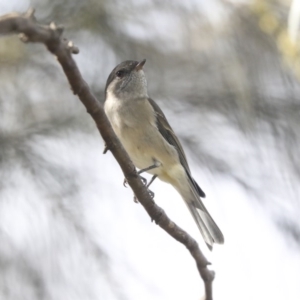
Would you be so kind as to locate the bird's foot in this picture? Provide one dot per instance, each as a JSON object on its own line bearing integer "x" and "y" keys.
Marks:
{"x": 105, "y": 149}
{"x": 151, "y": 194}
{"x": 125, "y": 182}
{"x": 144, "y": 180}
{"x": 135, "y": 199}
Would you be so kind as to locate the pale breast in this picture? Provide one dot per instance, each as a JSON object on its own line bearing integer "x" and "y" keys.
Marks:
{"x": 135, "y": 125}
{"x": 111, "y": 107}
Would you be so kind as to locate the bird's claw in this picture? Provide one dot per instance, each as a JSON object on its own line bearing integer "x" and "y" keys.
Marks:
{"x": 135, "y": 199}
{"x": 105, "y": 149}
{"x": 151, "y": 194}
{"x": 144, "y": 180}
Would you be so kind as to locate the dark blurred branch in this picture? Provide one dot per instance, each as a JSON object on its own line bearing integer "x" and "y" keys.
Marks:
{"x": 51, "y": 36}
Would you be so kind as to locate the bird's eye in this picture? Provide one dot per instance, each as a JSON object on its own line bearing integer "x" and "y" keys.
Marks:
{"x": 120, "y": 73}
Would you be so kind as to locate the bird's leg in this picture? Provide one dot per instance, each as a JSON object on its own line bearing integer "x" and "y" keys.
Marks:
{"x": 144, "y": 180}
{"x": 150, "y": 192}
{"x": 155, "y": 165}
{"x": 152, "y": 179}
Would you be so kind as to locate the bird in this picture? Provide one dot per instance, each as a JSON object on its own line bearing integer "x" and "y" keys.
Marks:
{"x": 151, "y": 143}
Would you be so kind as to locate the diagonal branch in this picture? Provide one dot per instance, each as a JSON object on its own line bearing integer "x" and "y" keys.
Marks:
{"x": 51, "y": 36}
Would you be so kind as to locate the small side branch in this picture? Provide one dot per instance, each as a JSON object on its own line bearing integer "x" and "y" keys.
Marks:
{"x": 51, "y": 36}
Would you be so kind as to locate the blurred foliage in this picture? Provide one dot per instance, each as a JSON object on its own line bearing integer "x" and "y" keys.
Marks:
{"x": 272, "y": 19}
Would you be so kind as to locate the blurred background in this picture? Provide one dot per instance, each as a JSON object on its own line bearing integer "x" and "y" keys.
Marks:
{"x": 226, "y": 74}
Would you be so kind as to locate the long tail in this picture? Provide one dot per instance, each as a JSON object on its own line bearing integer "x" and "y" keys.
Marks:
{"x": 207, "y": 226}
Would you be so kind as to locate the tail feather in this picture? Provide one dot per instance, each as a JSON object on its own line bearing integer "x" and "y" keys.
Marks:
{"x": 213, "y": 228}
{"x": 196, "y": 185}
{"x": 207, "y": 226}
{"x": 202, "y": 226}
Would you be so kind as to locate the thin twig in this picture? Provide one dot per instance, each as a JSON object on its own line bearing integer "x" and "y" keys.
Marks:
{"x": 51, "y": 36}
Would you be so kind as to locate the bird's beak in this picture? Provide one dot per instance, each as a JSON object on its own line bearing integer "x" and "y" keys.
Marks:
{"x": 140, "y": 65}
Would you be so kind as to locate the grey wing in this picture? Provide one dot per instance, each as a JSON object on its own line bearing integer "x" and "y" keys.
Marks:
{"x": 167, "y": 132}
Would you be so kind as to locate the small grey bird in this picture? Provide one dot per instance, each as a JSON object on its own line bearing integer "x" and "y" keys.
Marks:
{"x": 151, "y": 143}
